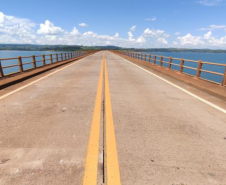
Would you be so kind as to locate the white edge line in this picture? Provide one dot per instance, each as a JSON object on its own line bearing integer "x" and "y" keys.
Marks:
{"x": 178, "y": 87}
{"x": 12, "y": 92}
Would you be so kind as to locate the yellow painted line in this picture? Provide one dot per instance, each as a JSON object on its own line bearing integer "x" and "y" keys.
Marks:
{"x": 91, "y": 165}
{"x": 112, "y": 173}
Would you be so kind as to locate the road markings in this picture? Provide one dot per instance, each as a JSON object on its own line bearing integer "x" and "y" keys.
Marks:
{"x": 12, "y": 92}
{"x": 91, "y": 165}
{"x": 111, "y": 158}
{"x": 178, "y": 87}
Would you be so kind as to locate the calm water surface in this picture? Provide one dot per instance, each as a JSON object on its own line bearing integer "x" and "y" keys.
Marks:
{"x": 12, "y": 54}
{"x": 206, "y": 57}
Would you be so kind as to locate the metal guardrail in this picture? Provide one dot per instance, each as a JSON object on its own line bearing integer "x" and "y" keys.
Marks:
{"x": 181, "y": 64}
{"x": 20, "y": 64}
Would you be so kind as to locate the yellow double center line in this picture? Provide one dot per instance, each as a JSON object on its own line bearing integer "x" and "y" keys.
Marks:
{"x": 112, "y": 174}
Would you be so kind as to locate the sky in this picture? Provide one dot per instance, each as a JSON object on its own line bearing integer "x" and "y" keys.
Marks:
{"x": 124, "y": 23}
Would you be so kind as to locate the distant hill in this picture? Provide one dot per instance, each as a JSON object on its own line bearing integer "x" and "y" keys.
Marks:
{"x": 31, "y": 47}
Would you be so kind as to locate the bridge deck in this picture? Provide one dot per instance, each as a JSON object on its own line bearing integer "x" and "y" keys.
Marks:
{"x": 163, "y": 134}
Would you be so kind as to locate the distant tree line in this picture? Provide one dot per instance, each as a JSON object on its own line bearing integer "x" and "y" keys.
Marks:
{"x": 30, "y": 47}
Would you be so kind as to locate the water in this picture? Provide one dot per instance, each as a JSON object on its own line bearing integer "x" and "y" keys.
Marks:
{"x": 206, "y": 57}
{"x": 12, "y": 54}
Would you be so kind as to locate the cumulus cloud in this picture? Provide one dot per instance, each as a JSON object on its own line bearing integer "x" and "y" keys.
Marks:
{"x": 133, "y": 28}
{"x": 151, "y": 19}
{"x": 117, "y": 35}
{"x": 162, "y": 41}
{"x": 16, "y": 30}
{"x": 89, "y": 34}
{"x": 20, "y": 30}
{"x": 141, "y": 39}
{"x": 155, "y": 33}
{"x": 207, "y": 40}
{"x": 190, "y": 40}
{"x": 130, "y": 35}
{"x": 75, "y": 31}
{"x": 83, "y": 25}
{"x": 208, "y": 35}
{"x": 48, "y": 28}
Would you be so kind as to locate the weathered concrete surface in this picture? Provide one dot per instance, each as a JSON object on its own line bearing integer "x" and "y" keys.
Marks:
{"x": 165, "y": 136}
{"x": 45, "y": 127}
{"x": 19, "y": 77}
{"x": 203, "y": 85}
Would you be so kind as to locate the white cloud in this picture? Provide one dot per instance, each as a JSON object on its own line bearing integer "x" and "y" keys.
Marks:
{"x": 20, "y": 30}
{"x": 89, "y": 34}
{"x": 208, "y": 35}
{"x": 75, "y": 31}
{"x": 213, "y": 27}
{"x": 151, "y": 19}
{"x": 155, "y": 33}
{"x": 177, "y": 33}
{"x": 83, "y": 25}
{"x": 211, "y": 2}
{"x": 116, "y": 35}
{"x": 141, "y": 39}
{"x": 162, "y": 41}
{"x": 190, "y": 40}
{"x": 49, "y": 29}
{"x": 133, "y": 28}
{"x": 16, "y": 30}
{"x": 130, "y": 35}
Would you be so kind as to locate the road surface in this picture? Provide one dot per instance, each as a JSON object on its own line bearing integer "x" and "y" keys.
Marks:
{"x": 163, "y": 135}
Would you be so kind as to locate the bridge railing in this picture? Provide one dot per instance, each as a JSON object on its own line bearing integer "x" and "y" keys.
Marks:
{"x": 198, "y": 69}
{"x": 10, "y": 66}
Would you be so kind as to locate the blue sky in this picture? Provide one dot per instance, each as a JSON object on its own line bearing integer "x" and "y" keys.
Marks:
{"x": 126, "y": 23}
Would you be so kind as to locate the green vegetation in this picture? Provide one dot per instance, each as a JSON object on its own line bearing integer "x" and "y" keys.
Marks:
{"x": 30, "y": 47}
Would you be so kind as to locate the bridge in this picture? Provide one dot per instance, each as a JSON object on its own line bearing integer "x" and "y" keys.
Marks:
{"x": 108, "y": 117}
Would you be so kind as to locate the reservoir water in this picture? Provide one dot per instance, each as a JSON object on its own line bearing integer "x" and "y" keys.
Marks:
{"x": 207, "y": 57}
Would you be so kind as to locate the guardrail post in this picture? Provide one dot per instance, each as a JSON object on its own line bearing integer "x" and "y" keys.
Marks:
{"x": 51, "y": 58}
{"x": 65, "y": 56}
{"x": 224, "y": 78}
{"x": 161, "y": 60}
{"x": 20, "y": 63}
{"x": 149, "y": 60}
{"x": 33, "y": 61}
{"x": 199, "y": 69}
{"x": 154, "y": 59}
{"x": 181, "y": 65}
{"x": 44, "y": 60}
{"x": 170, "y": 61}
{"x": 1, "y": 70}
{"x": 61, "y": 56}
{"x": 145, "y": 57}
{"x": 57, "y": 57}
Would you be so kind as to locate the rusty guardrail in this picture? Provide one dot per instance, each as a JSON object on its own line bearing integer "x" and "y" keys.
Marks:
{"x": 161, "y": 60}
{"x": 21, "y": 64}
